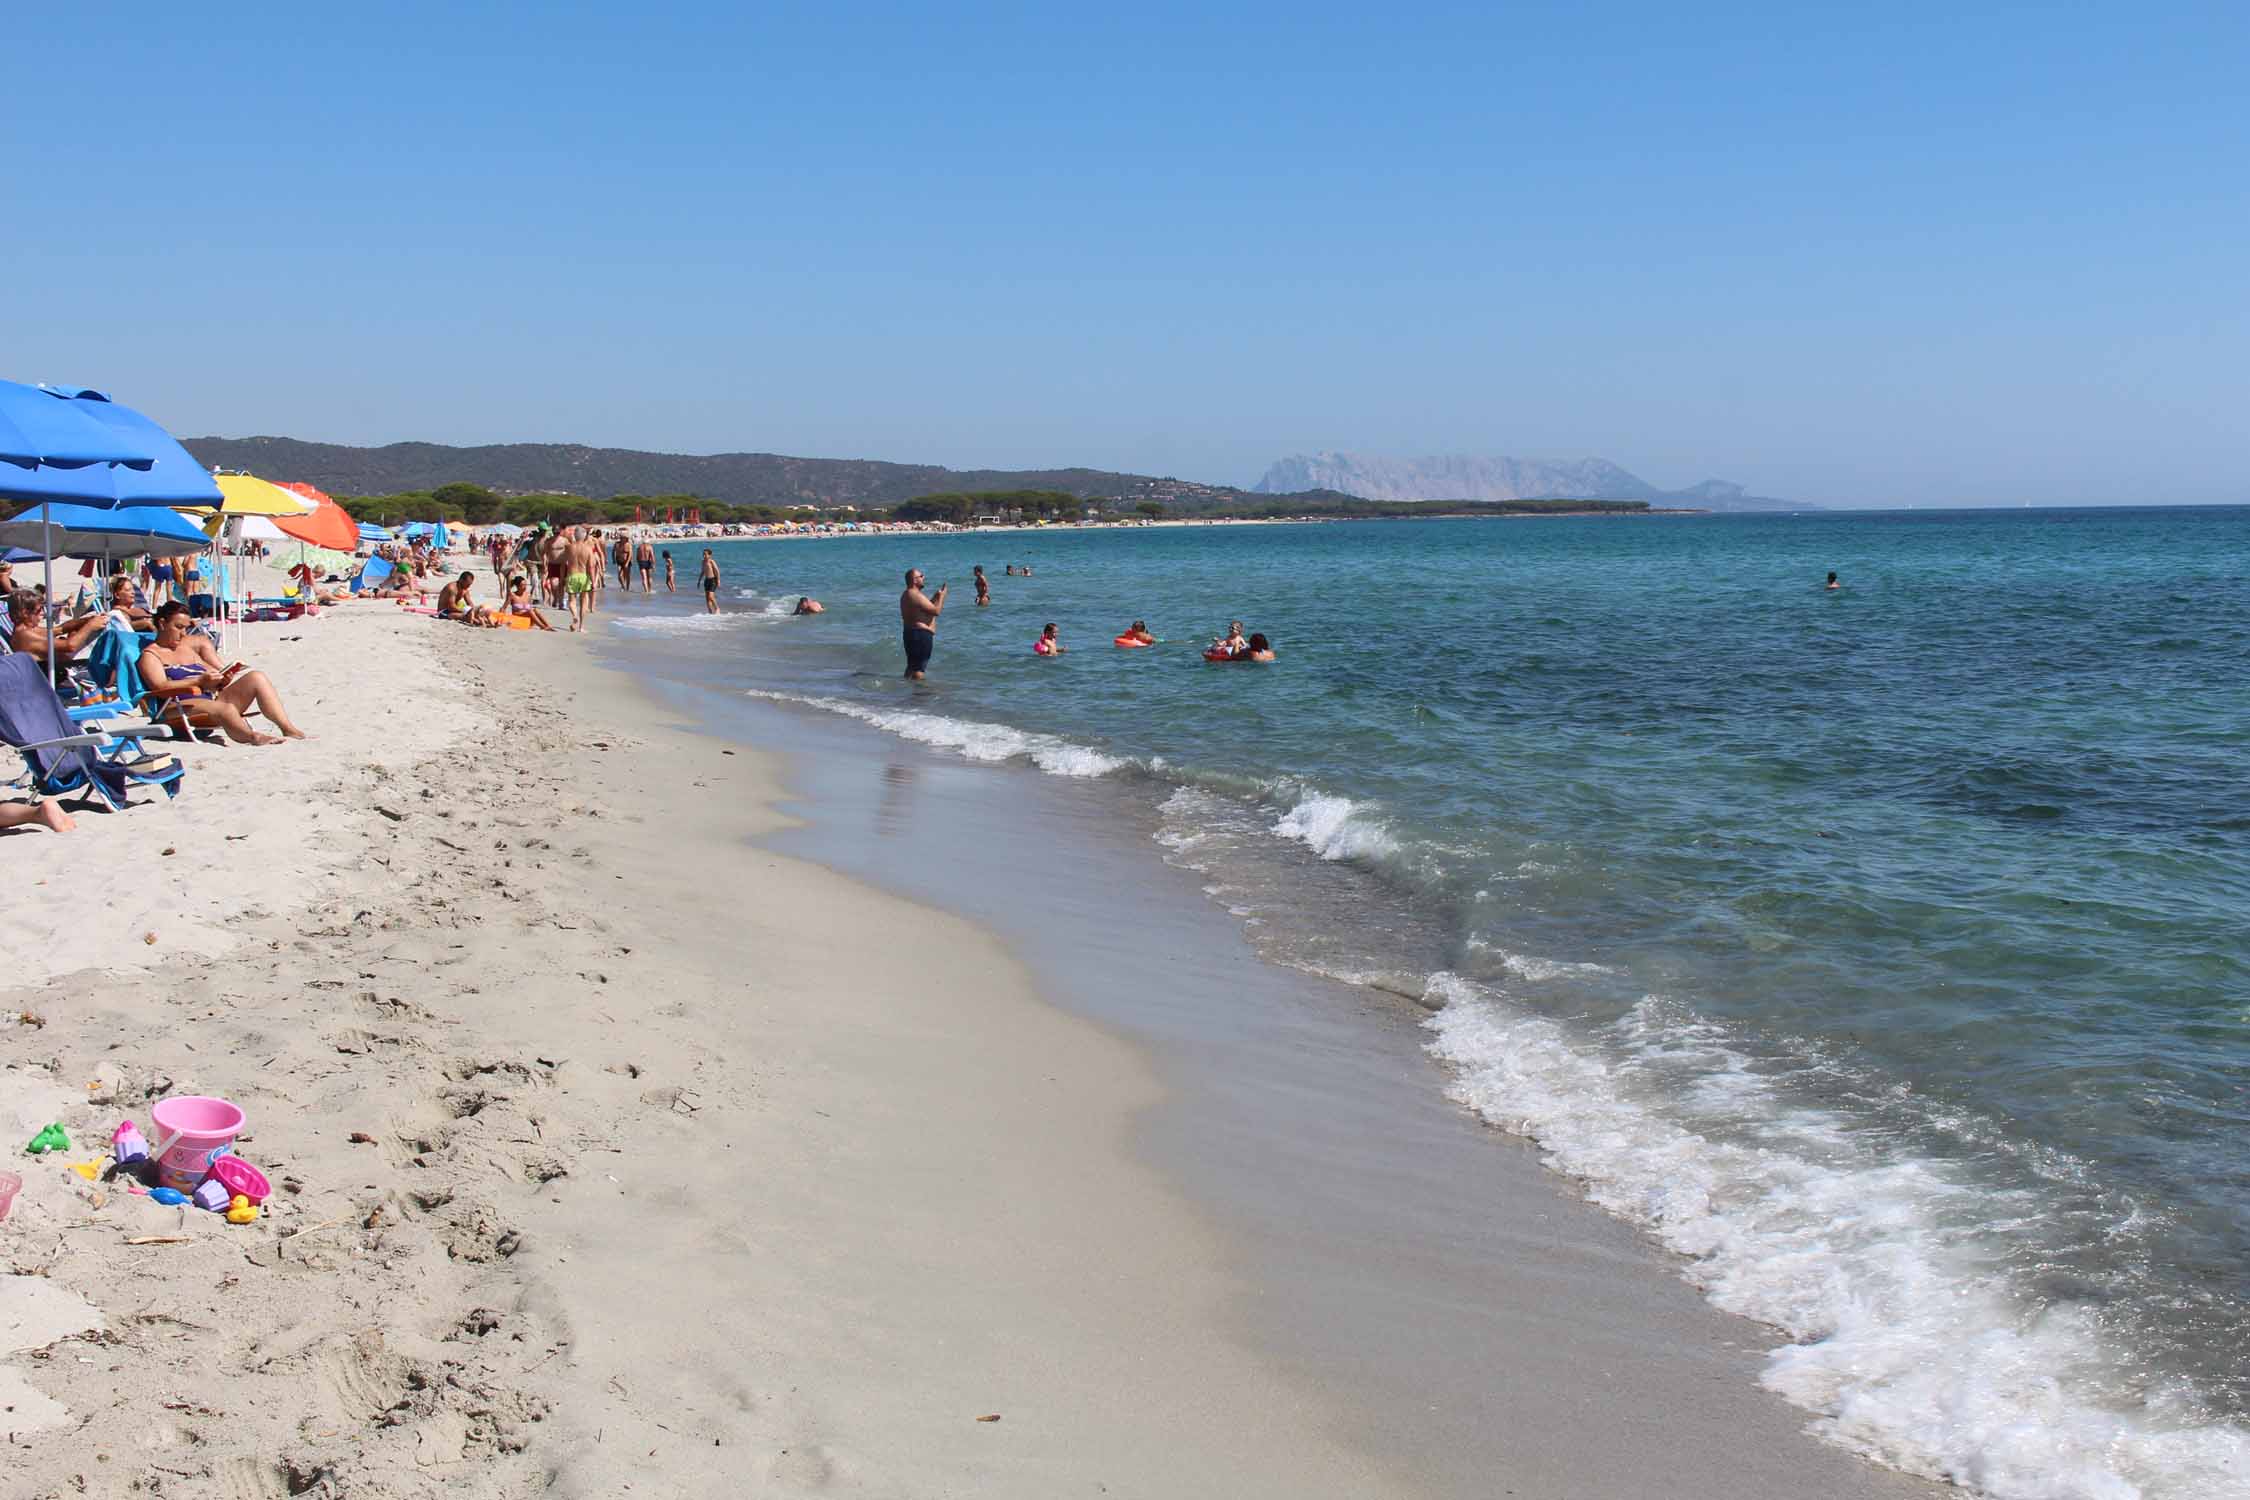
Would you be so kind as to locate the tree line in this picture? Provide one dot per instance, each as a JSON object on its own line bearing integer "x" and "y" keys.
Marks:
{"x": 480, "y": 506}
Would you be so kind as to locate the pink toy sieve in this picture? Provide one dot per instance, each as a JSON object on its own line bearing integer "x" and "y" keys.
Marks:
{"x": 238, "y": 1176}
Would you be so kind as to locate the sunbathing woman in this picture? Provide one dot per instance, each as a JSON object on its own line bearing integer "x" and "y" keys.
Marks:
{"x": 519, "y": 603}
{"x": 182, "y": 672}
{"x": 309, "y": 590}
{"x": 28, "y": 631}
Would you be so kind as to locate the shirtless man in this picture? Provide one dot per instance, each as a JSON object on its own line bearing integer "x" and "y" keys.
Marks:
{"x": 585, "y": 566}
{"x": 710, "y": 581}
{"x": 645, "y": 559}
{"x": 622, "y": 555}
{"x": 918, "y": 612}
{"x": 454, "y": 603}
{"x": 556, "y": 556}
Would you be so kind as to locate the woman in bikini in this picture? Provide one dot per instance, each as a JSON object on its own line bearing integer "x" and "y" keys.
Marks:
{"x": 519, "y": 602}
{"x": 182, "y": 673}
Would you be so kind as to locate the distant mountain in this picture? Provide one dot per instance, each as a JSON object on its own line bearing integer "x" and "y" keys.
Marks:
{"x": 599, "y": 473}
{"x": 1374, "y": 477}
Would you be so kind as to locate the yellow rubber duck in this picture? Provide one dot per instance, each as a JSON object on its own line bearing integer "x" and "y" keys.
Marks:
{"x": 241, "y": 1210}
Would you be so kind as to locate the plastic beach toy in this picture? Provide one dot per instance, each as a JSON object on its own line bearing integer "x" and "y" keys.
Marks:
{"x": 50, "y": 1139}
{"x": 127, "y": 1144}
{"x": 190, "y": 1130}
{"x": 169, "y": 1197}
{"x": 242, "y": 1211}
{"x": 10, "y": 1185}
{"x": 240, "y": 1179}
{"x": 210, "y": 1194}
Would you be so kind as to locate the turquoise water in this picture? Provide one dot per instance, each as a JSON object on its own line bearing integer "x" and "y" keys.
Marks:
{"x": 1880, "y": 950}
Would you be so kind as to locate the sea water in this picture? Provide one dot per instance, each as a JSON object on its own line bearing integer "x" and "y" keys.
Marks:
{"x": 1880, "y": 949}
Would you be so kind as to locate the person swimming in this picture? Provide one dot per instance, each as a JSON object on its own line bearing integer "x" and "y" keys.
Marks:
{"x": 1257, "y": 648}
{"x": 1139, "y": 633}
{"x": 1832, "y": 583}
{"x": 1049, "y": 643}
{"x": 1232, "y": 642}
{"x": 806, "y": 605}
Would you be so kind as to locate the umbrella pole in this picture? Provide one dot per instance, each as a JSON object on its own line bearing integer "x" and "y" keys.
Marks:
{"x": 47, "y": 577}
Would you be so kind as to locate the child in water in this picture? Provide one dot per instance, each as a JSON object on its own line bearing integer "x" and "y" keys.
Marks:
{"x": 1048, "y": 644}
{"x": 1232, "y": 642}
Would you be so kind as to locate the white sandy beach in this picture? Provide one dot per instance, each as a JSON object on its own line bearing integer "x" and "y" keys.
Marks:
{"x": 613, "y": 1155}
{"x": 628, "y": 1093}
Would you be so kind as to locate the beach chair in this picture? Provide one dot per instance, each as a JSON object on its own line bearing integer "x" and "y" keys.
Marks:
{"x": 113, "y": 667}
{"x": 63, "y": 759}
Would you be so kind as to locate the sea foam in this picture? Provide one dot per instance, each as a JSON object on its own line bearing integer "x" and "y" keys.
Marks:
{"x": 1336, "y": 828}
{"x": 681, "y": 624}
{"x": 971, "y": 738}
{"x": 1911, "y": 1347}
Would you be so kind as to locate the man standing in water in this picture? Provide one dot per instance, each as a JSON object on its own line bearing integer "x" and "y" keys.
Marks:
{"x": 919, "y": 611}
{"x": 984, "y": 586}
{"x": 710, "y": 583}
{"x": 644, "y": 557}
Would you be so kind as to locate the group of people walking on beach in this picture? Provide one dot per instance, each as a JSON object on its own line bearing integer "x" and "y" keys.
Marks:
{"x": 572, "y": 565}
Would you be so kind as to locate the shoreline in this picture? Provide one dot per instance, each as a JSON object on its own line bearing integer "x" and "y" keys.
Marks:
{"x": 693, "y": 1160}
{"x": 1306, "y": 1121}
{"x": 547, "y": 1269}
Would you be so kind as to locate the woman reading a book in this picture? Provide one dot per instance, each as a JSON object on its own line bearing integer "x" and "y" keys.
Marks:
{"x": 192, "y": 691}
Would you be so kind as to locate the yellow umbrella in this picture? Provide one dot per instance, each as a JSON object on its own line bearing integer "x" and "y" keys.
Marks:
{"x": 248, "y": 495}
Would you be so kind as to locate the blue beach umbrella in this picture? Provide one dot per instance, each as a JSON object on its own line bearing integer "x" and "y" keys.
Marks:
{"x": 75, "y": 445}
{"x": 46, "y": 433}
{"x": 84, "y": 531}
{"x": 374, "y": 535}
{"x": 60, "y": 425}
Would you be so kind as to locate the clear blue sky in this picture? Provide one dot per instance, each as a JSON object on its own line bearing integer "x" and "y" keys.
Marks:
{"x": 1868, "y": 254}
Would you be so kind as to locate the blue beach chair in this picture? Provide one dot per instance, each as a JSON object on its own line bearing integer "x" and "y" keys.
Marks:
{"x": 68, "y": 760}
{"x": 113, "y": 666}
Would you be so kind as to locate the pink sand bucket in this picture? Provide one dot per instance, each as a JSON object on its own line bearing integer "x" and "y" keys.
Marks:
{"x": 190, "y": 1130}
{"x": 10, "y": 1185}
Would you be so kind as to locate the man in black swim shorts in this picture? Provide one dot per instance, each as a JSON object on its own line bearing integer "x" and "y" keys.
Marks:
{"x": 918, "y": 613}
{"x": 710, "y": 583}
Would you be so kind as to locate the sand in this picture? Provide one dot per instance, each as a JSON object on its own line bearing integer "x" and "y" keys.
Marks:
{"x": 686, "y": 1169}
{"x": 615, "y": 1154}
